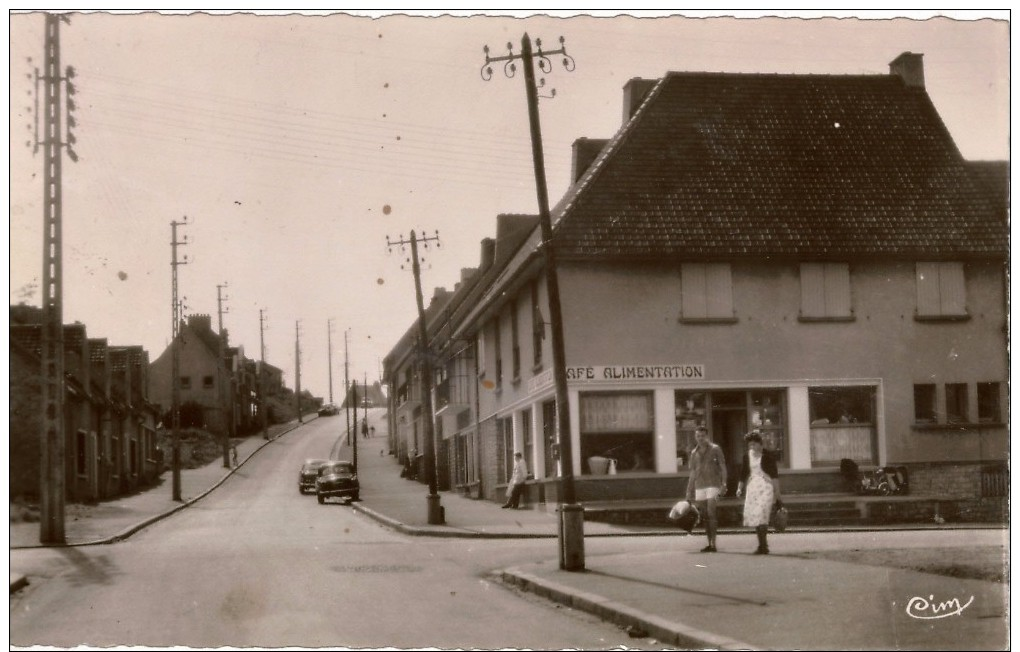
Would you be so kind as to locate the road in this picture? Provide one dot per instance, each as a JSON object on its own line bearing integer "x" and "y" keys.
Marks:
{"x": 257, "y": 564}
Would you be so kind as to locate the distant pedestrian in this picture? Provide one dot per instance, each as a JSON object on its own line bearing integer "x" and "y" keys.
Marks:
{"x": 707, "y": 481}
{"x": 371, "y": 431}
{"x": 759, "y": 475}
{"x": 364, "y": 428}
{"x": 233, "y": 454}
{"x": 516, "y": 486}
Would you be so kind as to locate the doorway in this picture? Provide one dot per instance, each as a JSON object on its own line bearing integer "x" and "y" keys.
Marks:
{"x": 729, "y": 423}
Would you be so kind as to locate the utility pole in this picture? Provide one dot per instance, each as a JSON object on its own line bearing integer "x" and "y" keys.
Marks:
{"x": 52, "y": 445}
{"x": 225, "y": 379}
{"x": 178, "y": 341}
{"x": 347, "y": 386}
{"x": 354, "y": 437}
{"x": 262, "y": 377}
{"x": 571, "y": 530}
{"x": 297, "y": 367}
{"x": 329, "y": 346}
{"x": 435, "y": 510}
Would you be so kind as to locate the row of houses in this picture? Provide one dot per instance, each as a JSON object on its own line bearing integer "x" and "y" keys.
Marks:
{"x": 109, "y": 420}
{"x": 808, "y": 255}
{"x": 116, "y": 401}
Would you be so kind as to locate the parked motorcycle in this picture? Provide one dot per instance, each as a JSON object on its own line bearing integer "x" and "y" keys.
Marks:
{"x": 883, "y": 481}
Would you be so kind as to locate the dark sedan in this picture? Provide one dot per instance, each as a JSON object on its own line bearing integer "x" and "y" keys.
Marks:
{"x": 337, "y": 480}
{"x": 308, "y": 475}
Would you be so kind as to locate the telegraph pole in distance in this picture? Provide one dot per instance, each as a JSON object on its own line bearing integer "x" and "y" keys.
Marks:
{"x": 347, "y": 387}
{"x": 52, "y": 445}
{"x": 329, "y": 346}
{"x": 177, "y": 339}
{"x": 297, "y": 367}
{"x": 435, "y": 510}
{"x": 571, "y": 530}
{"x": 225, "y": 377}
{"x": 354, "y": 437}
{"x": 262, "y": 377}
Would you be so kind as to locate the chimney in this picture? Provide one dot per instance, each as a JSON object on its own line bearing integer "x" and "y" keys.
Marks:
{"x": 488, "y": 253}
{"x": 200, "y": 322}
{"x": 634, "y": 93}
{"x": 586, "y": 150}
{"x": 910, "y": 68}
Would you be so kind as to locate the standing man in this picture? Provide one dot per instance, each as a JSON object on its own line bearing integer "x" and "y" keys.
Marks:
{"x": 517, "y": 479}
{"x": 707, "y": 481}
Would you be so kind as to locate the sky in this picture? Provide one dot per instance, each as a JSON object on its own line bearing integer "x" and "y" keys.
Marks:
{"x": 296, "y": 144}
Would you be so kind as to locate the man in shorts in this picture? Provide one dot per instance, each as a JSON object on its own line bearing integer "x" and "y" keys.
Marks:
{"x": 707, "y": 481}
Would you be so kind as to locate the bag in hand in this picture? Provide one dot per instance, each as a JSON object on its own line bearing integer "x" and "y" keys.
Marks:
{"x": 685, "y": 515}
{"x": 780, "y": 518}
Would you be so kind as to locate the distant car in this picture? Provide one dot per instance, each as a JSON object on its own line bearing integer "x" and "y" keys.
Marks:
{"x": 337, "y": 480}
{"x": 309, "y": 474}
{"x": 329, "y": 410}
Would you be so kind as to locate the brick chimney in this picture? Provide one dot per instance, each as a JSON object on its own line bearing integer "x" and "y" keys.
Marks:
{"x": 910, "y": 68}
{"x": 634, "y": 93}
{"x": 585, "y": 151}
{"x": 200, "y": 322}
{"x": 488, "y": 254}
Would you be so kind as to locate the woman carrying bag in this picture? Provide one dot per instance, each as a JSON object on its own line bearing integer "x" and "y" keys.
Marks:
{"x": 759, "y": 476}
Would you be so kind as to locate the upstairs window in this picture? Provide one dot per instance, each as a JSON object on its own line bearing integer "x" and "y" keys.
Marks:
{"x": 537, "y": 325}
{"x": 956, "y": 403}
{"x": 515, "y": 343}
{"x": 207, "y": 382}
{"x": 825, "y": 291}
{"x": 989, "y": 410}
{"x": 497, "y": 341}
{"x": 185, "y": 382}
{"x": 706, "y": 291}
{"x": 924, "y": 403}
{"x": 941, "y": 290}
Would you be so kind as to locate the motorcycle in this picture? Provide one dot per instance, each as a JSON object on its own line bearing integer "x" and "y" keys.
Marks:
{"x": 883, "y": 481}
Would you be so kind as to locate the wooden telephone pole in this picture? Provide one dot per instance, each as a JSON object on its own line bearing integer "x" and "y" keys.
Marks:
{"x": 178, "y": 342}
{"x": 435, "y": 510}
{"x": 571, "y": 531}
{"x": 263, "y": 415}
{"x": 226, "y": 382}
{"x": 297, "y": 367}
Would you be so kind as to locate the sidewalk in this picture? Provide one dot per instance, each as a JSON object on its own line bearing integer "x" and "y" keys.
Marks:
{"x": 728, "y": 600}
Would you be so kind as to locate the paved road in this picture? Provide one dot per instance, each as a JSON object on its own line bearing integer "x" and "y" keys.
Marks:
{"x": 257, "y": 564}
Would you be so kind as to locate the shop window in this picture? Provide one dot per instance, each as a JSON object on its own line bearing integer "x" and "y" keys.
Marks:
{"x": 690, "y": 414}
{"x": 767, "y": 416}
{"x": 505, "y": 440}
{"x": 842, "y": 424}
{"x": 207, "y": 382}
{"x": 941, "y": 290}
{"x": 988, "y": 403}
{"x": 924, "y": 403}
{"x": 706, "y": 291}
{"x": 825, "y": 290}
{"x": 956, "y": 403}
{"x": 617, "y": 431}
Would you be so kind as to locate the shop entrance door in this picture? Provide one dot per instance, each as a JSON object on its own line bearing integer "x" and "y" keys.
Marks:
{"x": 729, "y": 424}
{"x": 549, "y": 437}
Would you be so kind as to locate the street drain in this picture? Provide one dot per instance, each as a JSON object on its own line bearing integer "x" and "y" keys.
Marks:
{"x": 377, "y": 568}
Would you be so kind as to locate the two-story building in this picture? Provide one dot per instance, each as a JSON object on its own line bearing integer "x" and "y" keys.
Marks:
{"x": 809, "y": 255}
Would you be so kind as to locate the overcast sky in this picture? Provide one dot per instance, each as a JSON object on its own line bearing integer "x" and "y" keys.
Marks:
{"x": 296, "y": 144}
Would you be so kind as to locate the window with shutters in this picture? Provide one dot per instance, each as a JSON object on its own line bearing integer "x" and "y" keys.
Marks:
{"x": 706, "y": 292}
{"x": 941, "y": 291}
{"x": 825, "y": 292}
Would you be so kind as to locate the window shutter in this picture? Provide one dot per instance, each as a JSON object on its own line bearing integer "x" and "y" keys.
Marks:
{"x": 952, "y": 289}
{"x": 837, "y": 289}
{"x": 692, "y": 284}
{"x": 812, "y": 290}
{"x": 719, "y": 288}
{"x": 928, "y": 302}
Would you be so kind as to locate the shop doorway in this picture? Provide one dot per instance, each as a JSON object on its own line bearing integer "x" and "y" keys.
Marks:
{"x": 549, "y": 443}
{"x": 729, "y": 424}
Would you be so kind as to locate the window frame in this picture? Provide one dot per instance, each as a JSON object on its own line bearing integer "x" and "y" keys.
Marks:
{"x": 826, "y": 292}
{"x": 706, "y": 293}
{"x": 940, "y": 291}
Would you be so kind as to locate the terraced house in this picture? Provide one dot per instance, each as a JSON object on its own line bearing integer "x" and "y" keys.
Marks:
{"x": 809, "y": 255}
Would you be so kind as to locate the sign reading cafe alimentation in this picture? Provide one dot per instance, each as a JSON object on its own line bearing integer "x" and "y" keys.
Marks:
{"x": 597, "y": 373}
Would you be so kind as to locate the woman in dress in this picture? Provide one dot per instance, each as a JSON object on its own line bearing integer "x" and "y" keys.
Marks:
{"x": 759, "y": 478}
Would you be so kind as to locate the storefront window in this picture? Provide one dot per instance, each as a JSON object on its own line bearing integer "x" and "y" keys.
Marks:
{"x": 617, "y": 431}
{"x": 842, "y": 424}
{"x": 690, "y": 413}
{"x": 767, "y": 416}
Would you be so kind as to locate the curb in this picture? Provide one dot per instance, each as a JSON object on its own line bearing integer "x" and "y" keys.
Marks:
{"x": 18, "y": 582}
{"x": 664, "y": 631}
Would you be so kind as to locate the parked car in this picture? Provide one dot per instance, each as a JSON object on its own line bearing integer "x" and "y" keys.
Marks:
{"x": 337, "y": 480}
{"x": 329, "y": 410}
{"x": 309, "y": 474}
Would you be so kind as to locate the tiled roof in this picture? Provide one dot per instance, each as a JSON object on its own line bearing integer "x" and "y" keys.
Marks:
{"x": 732, "y": 165}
